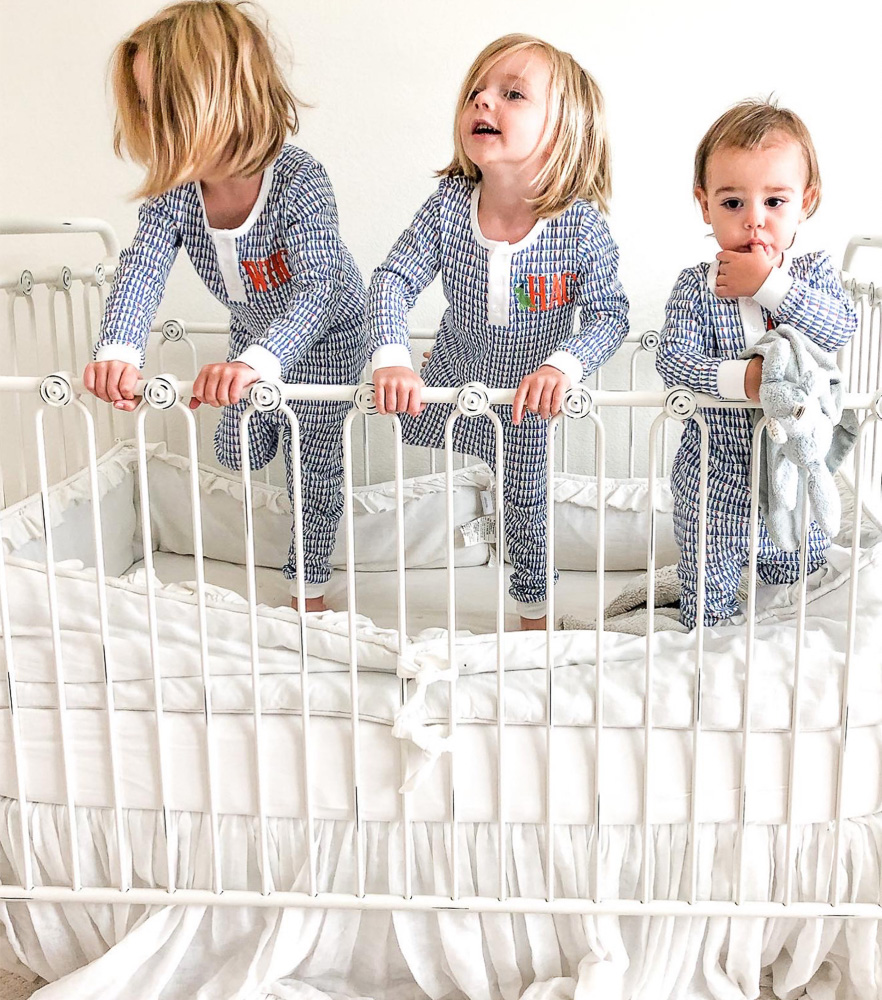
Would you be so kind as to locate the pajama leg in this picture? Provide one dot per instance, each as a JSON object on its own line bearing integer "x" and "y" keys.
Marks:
{"x": 321, "y": 479}
{"x": 774, "y": 565}
{"x": 726, "y": 541}
{"x": 263, "y": 437}
{"x": 523, "y": 486}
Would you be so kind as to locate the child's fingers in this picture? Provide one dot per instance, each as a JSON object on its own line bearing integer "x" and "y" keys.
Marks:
{"x": 414, "y": 404}
{"x": 128, "y": 381}
{"x": 517, "y": 407}
{"x": 557, "y": 396}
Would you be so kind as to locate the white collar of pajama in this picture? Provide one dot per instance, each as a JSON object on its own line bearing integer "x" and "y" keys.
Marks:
{"x": 752, "y": 322}
{"x": 225, "y": 239}
{"x": 499, "y": 255}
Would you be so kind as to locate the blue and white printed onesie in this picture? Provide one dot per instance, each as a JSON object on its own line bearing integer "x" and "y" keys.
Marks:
{"x": 511, "y": 308}
{"x": 296, "y": 302}
{"x": 701, "y": 341}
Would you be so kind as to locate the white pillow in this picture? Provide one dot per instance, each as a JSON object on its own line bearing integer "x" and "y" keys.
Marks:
{"x": 223, "y": 529}
{"x": 70, "y": 514}
{"x": 626, "y": 526}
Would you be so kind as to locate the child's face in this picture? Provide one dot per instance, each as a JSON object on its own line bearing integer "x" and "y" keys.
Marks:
{"x": 504, "y": 120}
{"x": 756, "y": 197}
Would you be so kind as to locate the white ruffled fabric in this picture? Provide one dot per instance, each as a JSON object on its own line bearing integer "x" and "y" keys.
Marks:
{"x": 202, "y": 953}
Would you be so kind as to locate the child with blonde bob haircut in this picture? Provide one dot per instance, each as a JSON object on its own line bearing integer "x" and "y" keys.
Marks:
{"x": 756, "y": 180}
{"x": 516, "y": 230}
{"x": 203, "y": 107}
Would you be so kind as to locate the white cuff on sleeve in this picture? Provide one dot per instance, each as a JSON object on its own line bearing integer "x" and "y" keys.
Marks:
{"x": 567, "y": 363}
{"x": 264, "y": 362}
{"x": 119, "y": 352}
{"x": 730, "y": 379}
{"x": 772, "y": 292}
{"x": 391, "y": 356}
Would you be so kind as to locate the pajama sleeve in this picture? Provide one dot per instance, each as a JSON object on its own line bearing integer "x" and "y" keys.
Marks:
{"x": 817, "y": 305}
{"x": 603, "y": 312}
{"x": 681, "y": 357}
{"x": 411, "y": 266}
{"x": 138, "y": 285}
{"x": 316, "y": 262}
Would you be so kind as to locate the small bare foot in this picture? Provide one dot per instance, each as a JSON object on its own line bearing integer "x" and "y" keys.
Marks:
{"x": 312, "y": 604}
{"x": 531, "y": 624}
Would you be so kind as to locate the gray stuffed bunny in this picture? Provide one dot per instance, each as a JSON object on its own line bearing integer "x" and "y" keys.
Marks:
{"x": 809, "y": 434}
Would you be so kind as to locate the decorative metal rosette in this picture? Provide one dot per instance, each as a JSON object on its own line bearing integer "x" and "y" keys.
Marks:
{"x": 650, "y": 340}
{"x": 100, "y": 274}
{"x": 266, "y": 396}
{"x": 577, "y": 402}
{"x": 173, "y": 330}
{"x": 65, "y": 278}
{"x": 161, "y": 392}
{"x": 366, "y": 398}
{"x": 473, "y": 399}
{"x": 56, "y": 389}
{"x": 26, "y": 283}
{"x": 680, "y": 403}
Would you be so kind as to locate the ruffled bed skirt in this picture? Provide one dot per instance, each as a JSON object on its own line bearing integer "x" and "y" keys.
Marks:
{"x": 100, "y": 952}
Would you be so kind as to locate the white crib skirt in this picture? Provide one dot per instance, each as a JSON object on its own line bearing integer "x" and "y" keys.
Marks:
{"x": 98, "y": 952}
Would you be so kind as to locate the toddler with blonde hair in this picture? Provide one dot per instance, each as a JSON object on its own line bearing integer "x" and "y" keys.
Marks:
{"x": 529, "y": 271}
{"x": 203, "y": 107}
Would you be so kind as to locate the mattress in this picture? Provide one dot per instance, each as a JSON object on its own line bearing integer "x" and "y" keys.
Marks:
{"x": 382, "y": 726}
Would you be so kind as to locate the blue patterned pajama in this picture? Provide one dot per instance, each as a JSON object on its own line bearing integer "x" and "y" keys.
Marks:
{"x": 554, "y": 297}
{"x": 700, "y": 333}
{"x": 296, "y": 302}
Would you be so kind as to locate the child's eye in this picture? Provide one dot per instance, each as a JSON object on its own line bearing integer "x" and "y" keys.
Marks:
{"x": 775, "y": 202}
{"x": 514, "y": 95}
{"x": 732, "y": 204}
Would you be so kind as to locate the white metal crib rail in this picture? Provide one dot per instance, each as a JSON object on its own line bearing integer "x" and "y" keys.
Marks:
{"x": 470, "y": 402}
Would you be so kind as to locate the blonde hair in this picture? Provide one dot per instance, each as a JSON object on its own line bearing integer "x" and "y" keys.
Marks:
{"x": 578, "y": 164}
{"x": 755, "y": 124}
{"x": 216, "y": 95}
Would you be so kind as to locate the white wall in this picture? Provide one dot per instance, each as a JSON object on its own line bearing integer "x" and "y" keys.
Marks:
{"x": 383, "y": 76}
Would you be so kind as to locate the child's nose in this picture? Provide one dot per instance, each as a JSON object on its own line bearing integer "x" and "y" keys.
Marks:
{"x": 756, "y": 217}
{"x": 482, "y": 99}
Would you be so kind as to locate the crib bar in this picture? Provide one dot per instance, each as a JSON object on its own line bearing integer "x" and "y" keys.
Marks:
{"x": 553, "y": 424}
{"x": 845, "y": 693}
{"x": 427, "y": 903}
{"x": 749, "y": 658}
{"x": 646, "y": 891}
{"x": 600, "y": 474}
{"x": 349, "y": 515}
{"x": 302, "y": 617}
{"x": 14, "y": 719}
{"x": 251, "y": 575}
{"x": 55, "y": 625}
{"x": 18, "y": 485}
{"x": 451, "y": 653}
{"x": 632, "y": 385}
{"x": 501, "y": 798}
{"x": 124, "y": 880}
{"x": 199, "y": 560}
{"x": 56, "y": 366}
{"x": 794, "y": 711}
{"x": 703, "y": 480}
{"x": 153, "y": 633}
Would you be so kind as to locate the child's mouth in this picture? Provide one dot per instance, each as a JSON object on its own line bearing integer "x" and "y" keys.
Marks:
{"x": 484, "y": 128}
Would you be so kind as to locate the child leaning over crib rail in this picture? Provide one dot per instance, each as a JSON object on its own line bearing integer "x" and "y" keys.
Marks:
{"x": 756, "y": 179}
{"x": 202, "y": 105}
{"x": 516, "y": 230}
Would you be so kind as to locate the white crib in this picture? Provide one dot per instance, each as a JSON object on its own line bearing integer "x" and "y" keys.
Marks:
{"x": 205, "y": 795}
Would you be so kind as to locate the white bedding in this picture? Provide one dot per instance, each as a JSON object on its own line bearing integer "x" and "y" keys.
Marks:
{"x": 445, "y": 954}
